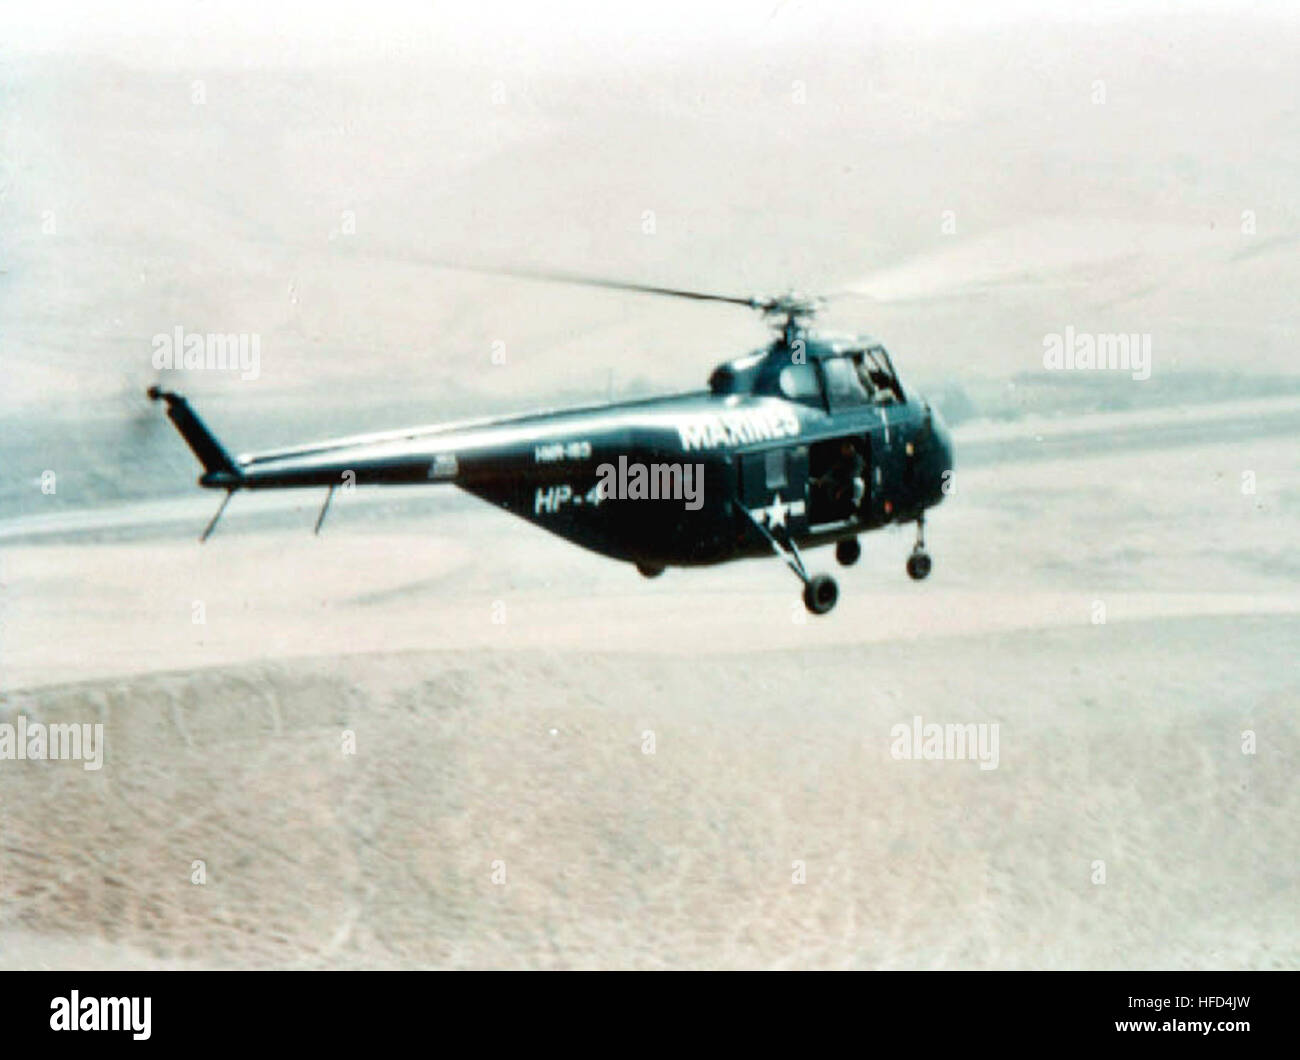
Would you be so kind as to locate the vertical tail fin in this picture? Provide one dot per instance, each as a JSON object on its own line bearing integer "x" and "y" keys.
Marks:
{"x": 219, "y": 467}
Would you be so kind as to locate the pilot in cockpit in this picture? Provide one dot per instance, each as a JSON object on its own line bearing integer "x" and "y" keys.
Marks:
{"x": 876, "y": 383}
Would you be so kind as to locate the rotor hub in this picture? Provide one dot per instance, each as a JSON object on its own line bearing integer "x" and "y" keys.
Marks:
{"x": 789, "y": 313}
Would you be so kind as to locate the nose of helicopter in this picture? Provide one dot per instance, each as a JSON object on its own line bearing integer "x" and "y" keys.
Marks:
{"x": 943, "y": 440}
{"x": 939, "y": 478}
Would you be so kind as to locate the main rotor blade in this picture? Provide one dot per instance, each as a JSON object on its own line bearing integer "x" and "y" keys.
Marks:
{"x": 553, "y": 276}
{"x": 783, "y": 304}
{"x": 642, "y": 288}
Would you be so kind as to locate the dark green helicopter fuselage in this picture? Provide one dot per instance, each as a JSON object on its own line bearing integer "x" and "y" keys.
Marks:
{"x": 757, "y": 444}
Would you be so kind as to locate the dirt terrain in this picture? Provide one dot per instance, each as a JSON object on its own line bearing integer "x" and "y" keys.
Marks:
{"x": 522, "y": 741}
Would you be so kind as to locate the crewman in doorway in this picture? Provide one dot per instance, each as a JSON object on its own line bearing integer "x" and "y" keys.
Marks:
{"x": 843, "y": 481}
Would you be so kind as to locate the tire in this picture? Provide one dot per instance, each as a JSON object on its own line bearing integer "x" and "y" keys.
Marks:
{"x": 918, "y": 566}
{"x": 820, "y": 594}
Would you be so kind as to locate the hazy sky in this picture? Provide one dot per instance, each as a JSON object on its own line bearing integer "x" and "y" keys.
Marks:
{"x": 517, "y": 32}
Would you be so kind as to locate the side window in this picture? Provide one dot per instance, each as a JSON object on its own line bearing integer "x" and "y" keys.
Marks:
{"x": 799, "y": 383}
{"x": 774, "y": 469}
{"x": 842, "y": 383}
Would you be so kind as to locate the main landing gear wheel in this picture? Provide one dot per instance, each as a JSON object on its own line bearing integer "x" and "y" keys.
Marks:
{"x": 848, "y": 551}
{"x": 648, "y": 571}
{"x": 820, "y": 593}
{"x": 918, "y": 563}
{"x": 819, "y": 590}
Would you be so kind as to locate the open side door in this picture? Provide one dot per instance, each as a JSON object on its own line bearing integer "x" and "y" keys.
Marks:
{"x": 833, "y": 501}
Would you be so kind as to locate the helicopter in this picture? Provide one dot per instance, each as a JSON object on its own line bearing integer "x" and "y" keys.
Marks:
{"x": 807, "y": 441}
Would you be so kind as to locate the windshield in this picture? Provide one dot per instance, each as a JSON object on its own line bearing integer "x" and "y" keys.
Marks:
{"x": 877, "y": 374}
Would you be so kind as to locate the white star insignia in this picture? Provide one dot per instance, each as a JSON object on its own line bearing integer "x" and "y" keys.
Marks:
{"x": 776, "y": 512}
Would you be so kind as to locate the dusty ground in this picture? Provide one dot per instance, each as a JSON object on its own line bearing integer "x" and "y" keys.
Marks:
{"x": 499, "y": 684}
{"x": 522, "y": 742}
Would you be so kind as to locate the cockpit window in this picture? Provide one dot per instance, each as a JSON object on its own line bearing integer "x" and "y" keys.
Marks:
{"x": 799, "y": 383}
{"x": 877, "y": 374}
{"x": 843, "y": 384}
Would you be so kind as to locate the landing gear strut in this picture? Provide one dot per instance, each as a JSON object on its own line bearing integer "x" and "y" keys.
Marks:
{"x": 819, "y": 590}
{"x": 918, "y": 563}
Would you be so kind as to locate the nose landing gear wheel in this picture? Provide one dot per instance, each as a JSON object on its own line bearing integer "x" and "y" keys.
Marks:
{"x": 848, "y": 551}
{"x": 820, "y": 593}
{"x": 918, "y": 563}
